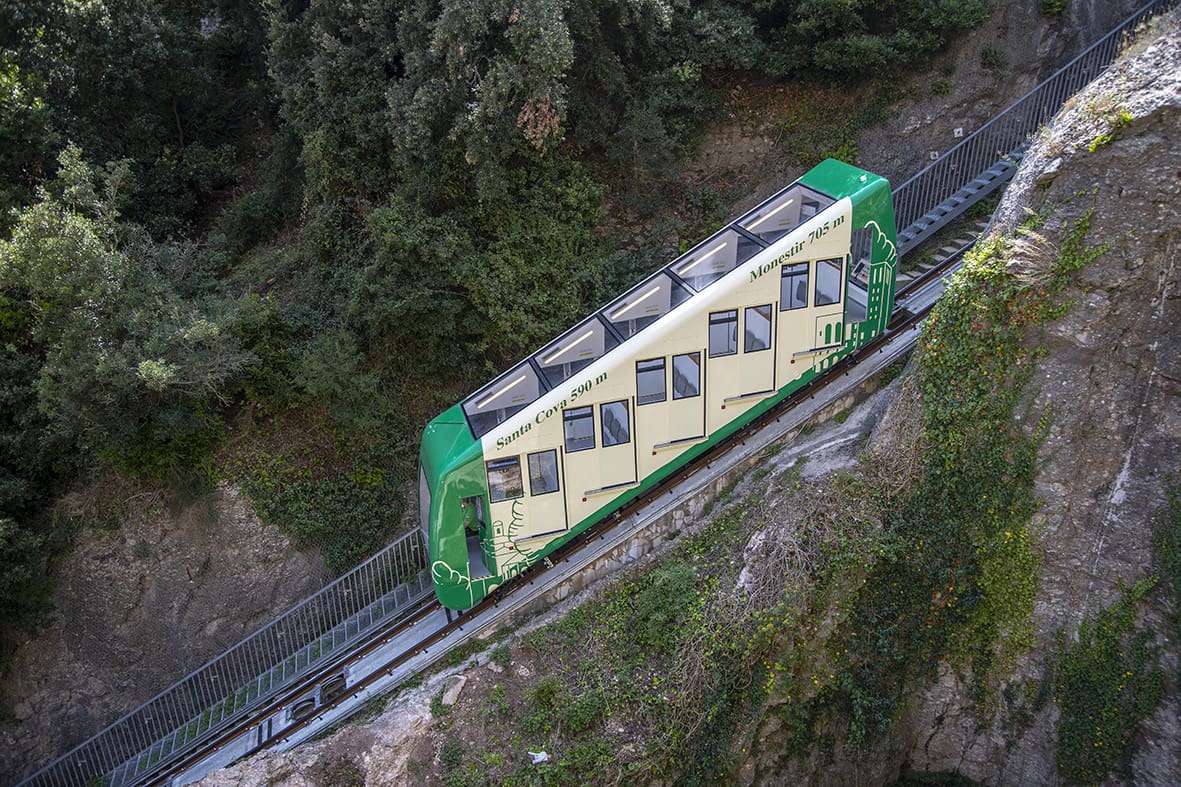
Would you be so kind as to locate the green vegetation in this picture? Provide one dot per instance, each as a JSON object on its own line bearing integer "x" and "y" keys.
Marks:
{"x": 1051, "y": 7}
{"x": 853, "y": 596}
{"x": 993, "y": 58}
{"x": 1115, "y": 121}
{"x": 1107, "y": 683}
{"x": 263, "y": 244}
{"x": 825, "y": 123}
{"x": 1168, "y": 549}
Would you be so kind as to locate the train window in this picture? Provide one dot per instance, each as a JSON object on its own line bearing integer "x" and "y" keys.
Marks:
{"x": 758, "y": 329}
{"x": 686, "y": 375}
{"x": 579, "y": 423}
{"x": 784, "y": 212}
{"x": 424, "y": 502}
{"x": 860, "y": 263}
{"x": 543, "y": 472}
{"x": 645, "y": 304}
{"x": 723, "y": 333}
{"x": 714, "y": 258}
{"x": 793, "y": 288}
{"x": 502, "y": 398}
{"x": 504, "y": 479}
{"x": 828, "y": 281}
{"x": 650, "y": 385}
{"x": 614, "y": 417}
{"x": 575, "y": 350}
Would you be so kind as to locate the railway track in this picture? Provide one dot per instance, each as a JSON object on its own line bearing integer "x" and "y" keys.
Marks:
{"x": 427, "y": 632}
{"x": 418, "y": 632}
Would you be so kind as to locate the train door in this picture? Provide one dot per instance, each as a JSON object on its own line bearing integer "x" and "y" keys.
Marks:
{"x": 669, "y": 416}
{"x": 758, "y": 357}
{"x": 724, "y": 378}
{"x": 617, "y": 452}
{"x": 518, "y": 512}
{"x": 686, "y": 410}
{"x": 600, "y": 455}
{"x": 830, "y": 317}
{"x": 741, "y": 372}
{"x": 547, "y": 504}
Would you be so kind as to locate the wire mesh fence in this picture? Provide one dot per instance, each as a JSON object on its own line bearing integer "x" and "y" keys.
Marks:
{"x": 231, "y": 686}
{"x": 325, "y": 625}
{"x": 947, "y": 186}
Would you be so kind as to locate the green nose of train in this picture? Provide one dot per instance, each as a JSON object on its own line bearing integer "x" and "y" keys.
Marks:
{"x": 655, "y": 378}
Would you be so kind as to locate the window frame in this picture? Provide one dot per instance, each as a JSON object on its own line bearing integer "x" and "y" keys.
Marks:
{"x": 500, "y": 465}
{"x": 640, "y": 402}
{"x": 557, "y": 477}
{"x": 746, "y": 330}
{"x": 732, "y": 337}
{"x": 695, "y": 357}
{"x": 798, "y": 270}
{"x": 608, "y": 439}
{"x": 572, "y": 415}
{"x": 840, "y": 271}
{"x": 501, "y": 399}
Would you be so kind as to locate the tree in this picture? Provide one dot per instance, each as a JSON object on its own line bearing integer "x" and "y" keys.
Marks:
{"x": 128, "y": 367}
{"x": 25, "y": 138}
{"x": 177, "y": 91}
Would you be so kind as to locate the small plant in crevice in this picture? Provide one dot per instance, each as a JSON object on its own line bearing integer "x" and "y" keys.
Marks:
{"x": 940, "y": 87}
{"x": 1107, "y": 683}
{"x": 1051, "y": 7}
{"x": 993, "y": 58}
{"x": 1107, "y": 114}
{"x": 439, "y": 709}
{"x": 451, "y": 755}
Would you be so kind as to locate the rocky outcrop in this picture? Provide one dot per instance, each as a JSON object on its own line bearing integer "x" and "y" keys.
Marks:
{"x": 1111, "y": 383}
{"x": 140, "y": 606}
{"x": 985, "y": 71}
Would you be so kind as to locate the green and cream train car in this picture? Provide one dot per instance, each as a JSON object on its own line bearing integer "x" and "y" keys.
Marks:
{"x": 644, "y": 385}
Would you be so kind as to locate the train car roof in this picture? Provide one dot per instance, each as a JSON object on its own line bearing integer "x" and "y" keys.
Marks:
{"x": 444, "y": 438}
{"x": 652, "y": 298}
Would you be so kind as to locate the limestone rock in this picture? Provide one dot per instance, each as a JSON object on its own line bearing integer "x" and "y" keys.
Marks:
{"x": 139, "y": 607}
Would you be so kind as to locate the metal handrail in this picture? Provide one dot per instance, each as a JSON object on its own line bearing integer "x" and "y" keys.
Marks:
{"x": 231, "y": 685}
{"x": 228, "y": 687}
{"x": 1004, "y": 136}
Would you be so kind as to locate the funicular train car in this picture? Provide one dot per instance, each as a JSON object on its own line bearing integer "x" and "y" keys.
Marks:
{"x": 683, "y": 359}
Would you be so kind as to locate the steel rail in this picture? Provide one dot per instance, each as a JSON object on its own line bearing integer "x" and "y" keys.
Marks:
{"x": 903, "y": 321}
{"x": 331, "y": 620}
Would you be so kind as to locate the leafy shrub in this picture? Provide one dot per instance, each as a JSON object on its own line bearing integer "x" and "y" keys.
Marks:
{"x": 1107, "y": 684}
{"x": 263, "y": 331}
{"x": 546, "y": 693}
{"x": 993, "y": 57}
{"x": 585, "y": 710}
{"x": 23, "y": 584}
{"x": 452, "y": 754}
{"x": 1052, "y": 7}
{"x": 659, "y": 605}
{"x": 345, "y": 521}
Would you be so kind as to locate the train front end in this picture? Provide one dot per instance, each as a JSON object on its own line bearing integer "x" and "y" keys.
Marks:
{"x": 453, "y": 493}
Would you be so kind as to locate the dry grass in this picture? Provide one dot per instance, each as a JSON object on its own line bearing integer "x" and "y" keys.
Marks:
{"x": 1032, "y": 257}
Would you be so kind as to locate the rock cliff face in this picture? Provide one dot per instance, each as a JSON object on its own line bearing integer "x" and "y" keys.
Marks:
{"x": 985, "y": 71}
{"x": 139, "y": 607}
{"x": 1111, "y": 382}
